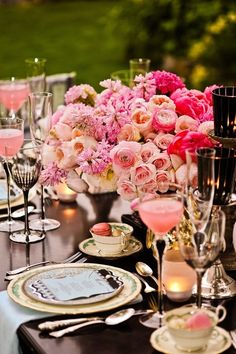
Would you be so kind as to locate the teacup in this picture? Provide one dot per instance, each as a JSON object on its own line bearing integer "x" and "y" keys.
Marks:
{"x": 116, "y": 243}
{"x": 191, "y": 327}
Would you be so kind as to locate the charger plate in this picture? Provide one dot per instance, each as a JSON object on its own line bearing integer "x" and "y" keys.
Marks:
{"x": 20, "y": 200}
{"x": 88, "y": 246}
{"x": 15, "y": 192}
{"x": 131, "y": 289}
{"x": 162, "y": 341}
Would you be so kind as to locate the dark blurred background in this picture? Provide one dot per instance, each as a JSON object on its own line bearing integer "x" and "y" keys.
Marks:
{"x": 193, "y": 38}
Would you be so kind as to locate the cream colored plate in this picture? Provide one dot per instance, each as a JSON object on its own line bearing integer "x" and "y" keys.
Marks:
{"x": 88, "y": 246}
{"x": 3, "y": 192}
{"x": 130, "y": 291}
{"x": 20, "y": 200}
{"x": 218, "y": 343}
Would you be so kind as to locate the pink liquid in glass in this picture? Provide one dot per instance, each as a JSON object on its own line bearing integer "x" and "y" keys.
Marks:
{"x": 10, "y": 141}
{"x": 13, "y": 95}
{"x": 161, "y": 215}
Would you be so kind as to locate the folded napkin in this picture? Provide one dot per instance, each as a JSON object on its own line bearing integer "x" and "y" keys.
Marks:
{"x": 13, "y": 315}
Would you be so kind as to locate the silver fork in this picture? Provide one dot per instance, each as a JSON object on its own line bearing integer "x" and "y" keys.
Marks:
{"x": 70, "y": 259}
{"x": 233, "y": 337}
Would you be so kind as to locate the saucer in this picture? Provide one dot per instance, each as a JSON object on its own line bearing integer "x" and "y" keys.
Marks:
{"x": 88, "y": 246}
{"x": 218, "y": 343}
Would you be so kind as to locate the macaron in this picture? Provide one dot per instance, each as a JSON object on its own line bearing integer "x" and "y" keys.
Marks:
{"x": 102, "y": 229}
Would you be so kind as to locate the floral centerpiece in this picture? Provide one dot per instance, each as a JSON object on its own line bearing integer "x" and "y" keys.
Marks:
{"x": 128, "y": 139}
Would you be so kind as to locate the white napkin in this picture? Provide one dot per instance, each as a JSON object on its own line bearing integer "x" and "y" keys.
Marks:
{"x": 12, "y": 316}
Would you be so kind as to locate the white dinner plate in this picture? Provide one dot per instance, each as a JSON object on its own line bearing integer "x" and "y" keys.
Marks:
{"x": 162, "y": 341}
{"x": 131, "y": 289}
{"x": 88, "y": 246}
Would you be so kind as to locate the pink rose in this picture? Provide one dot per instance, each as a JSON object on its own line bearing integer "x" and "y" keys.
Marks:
{"x": 208, "y": 93}
{"x": 61, "y": 131}
{"x": 206, "y": 127}
{"x": 188, "y": 140}
{"x": 150, "y": 187}
{"x": 129, "y": 133}
{"x": 142, "y": 173}
{"x": 124, "y": 155}
{"x": 148, "y": 150}
{"x": 142, "y": 120}
{"x": 161, "y": 161}
{"x": 162, "y": 140}
{"x": 164, "y": 120}
{"x": 160, "y": 102}
{"x": 163, "y": 180}
{"x": 127, "y": 190}
{"x": 185, "y": 122}
{"x": 66, "y": 156}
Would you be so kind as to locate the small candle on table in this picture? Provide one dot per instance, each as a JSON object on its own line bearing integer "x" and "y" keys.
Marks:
{"x": 65, "y": 194}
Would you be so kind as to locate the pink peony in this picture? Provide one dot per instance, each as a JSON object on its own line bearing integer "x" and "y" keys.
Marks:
{"x": 188, "y": 140}
{"x": 167, "y": 82}
{"x": 160, "y": 102}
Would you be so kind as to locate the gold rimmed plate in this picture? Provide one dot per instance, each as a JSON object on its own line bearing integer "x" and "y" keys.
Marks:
{"x": 130, "y": 290}
{"x": 88, "y": 247}
{"x": 162, "y": 341}
{"x": 19, "y": 200}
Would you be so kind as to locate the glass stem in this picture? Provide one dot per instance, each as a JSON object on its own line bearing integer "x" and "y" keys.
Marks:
{"x": 158, "y": 254}
{"x": 199, "y": 289}
{"x": 42, "y": 203}
{"x": 4, "y": 163}
{"x": 27, "y": 230}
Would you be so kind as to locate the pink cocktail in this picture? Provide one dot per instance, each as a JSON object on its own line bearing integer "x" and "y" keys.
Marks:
{"x": 13, "y": 94}
{"x": 11, "y": 140}
{"x": 161, "y": 214}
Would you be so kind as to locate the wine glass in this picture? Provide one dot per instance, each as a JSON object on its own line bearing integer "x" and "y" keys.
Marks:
{"x": 160, "y": 213}
{"x": 40, "y": 105}
{"x": 25, "y": 169}
{"x": 11, "y": 139}
{"x": 13, "y": 94}
{"x": 201, "y": 249}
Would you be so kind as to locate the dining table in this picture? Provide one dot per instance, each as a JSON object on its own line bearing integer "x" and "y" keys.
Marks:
{"x": 76, "y": 218}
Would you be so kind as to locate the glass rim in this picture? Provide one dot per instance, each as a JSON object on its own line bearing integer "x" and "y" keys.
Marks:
{"x": 35, "y": 60}
{"x": 139, "y": 60}
{"x": 40, "y": 94}
{"x": 217, "y": 91}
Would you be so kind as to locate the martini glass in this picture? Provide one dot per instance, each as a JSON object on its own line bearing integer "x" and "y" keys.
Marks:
{"x": 160, "y": 214}
{"x": 40, "y": 105}
{"x": 11, "y": 139}
{"x": 13, "y": 94}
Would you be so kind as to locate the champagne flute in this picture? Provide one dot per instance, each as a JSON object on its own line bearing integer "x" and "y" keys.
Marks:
{"x": 13, "y": 94}
{"x": 40, "y": 105}
{"x": 11, "y": 139}
{"x": 160, "y": 213}
{"x": 25, "y": 169}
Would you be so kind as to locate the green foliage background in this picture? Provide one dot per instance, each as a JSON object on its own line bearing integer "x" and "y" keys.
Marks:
{"x": 194, "y": 38}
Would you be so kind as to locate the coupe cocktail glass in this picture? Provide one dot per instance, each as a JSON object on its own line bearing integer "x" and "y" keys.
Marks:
{"x": 11, "y": 139}
{"x": 160, "y": 214}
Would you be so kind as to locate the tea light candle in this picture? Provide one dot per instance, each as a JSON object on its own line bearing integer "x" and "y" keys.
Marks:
{"x": 65, "y": 194}
{"x": 178, "y": 277}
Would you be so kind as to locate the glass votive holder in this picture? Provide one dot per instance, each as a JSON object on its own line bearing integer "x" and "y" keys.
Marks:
{"x": 64, "y": 193}
{"x": 178, "y": 277}
{"x": 139, "y": 66}
{"x": 224, "y": 110}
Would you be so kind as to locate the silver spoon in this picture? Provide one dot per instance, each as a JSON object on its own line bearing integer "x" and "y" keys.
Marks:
{"x": 111, "y": 320}
{"x": 148, "y": 288}
{"x": 146, "y": 271}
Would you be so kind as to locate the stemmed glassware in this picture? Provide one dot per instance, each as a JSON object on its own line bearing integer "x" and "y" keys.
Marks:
{"x": 25, "y": 169}
{"x": 40, "y": 107}
{"x": 11, "y": 139}
{"x": 13, "y": 94}
{"x": 160, "y": 213}
{"x": 199, "y": 194}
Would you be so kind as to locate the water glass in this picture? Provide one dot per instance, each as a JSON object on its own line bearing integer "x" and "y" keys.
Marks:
{"x": 36, "y": 74}
{"x": 139, "y": 66}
